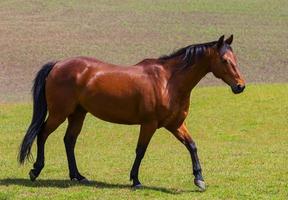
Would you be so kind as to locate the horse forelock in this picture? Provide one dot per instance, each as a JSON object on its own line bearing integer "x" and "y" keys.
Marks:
{"x": 224, "y": 49}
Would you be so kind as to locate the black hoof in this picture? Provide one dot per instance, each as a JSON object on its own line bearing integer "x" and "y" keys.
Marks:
{"x": 32, "y": 175}
{"x": 81, "y": 180}
{"x": 136, "y": 186}
{"x": 200, "y": 184}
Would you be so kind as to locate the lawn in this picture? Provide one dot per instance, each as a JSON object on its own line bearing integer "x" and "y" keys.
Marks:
{"x": 242, "y": 143}
{"x": 242, "y": 139}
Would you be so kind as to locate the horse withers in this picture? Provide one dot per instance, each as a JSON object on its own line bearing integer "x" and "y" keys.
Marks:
{"x": 154, "y": 93}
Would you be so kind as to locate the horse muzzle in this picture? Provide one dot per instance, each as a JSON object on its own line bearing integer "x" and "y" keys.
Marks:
{"x": 236, "y": 89}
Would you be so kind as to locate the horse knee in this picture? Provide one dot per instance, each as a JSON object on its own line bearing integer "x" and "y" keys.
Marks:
{"x": 192, "y": 147}
{"x": 69, "y": 140}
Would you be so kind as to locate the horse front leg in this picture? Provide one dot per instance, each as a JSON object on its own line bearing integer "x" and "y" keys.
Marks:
{"x": 182, "y": 134}
{"x": 146, "y": 132}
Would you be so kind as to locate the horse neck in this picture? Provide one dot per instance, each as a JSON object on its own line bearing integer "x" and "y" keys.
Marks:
{"x": 184, "y": 79}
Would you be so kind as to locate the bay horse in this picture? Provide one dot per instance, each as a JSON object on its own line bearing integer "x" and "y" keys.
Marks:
{"x": 154, "y": 93}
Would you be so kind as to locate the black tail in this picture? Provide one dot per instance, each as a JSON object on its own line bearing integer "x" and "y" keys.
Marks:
{"x": 39, "y": 112}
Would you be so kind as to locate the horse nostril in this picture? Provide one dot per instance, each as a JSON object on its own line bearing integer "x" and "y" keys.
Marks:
{"x": 240, "y": 87}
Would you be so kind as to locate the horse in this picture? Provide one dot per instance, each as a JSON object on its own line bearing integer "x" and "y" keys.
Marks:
{"x": 154, "y": 93}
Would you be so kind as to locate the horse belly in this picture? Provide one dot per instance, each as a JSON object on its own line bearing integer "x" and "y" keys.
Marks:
{"x": 117, "y": 105}
{"x": 113, "y": 110}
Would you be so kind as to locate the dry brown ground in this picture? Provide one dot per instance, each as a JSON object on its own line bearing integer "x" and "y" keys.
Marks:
{"x": 34, "y": 32}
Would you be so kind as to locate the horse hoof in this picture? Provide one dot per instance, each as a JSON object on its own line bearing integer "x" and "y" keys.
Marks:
{"x": 200, "y": 184}
{"x": 83, "y": 181}
{"x": 32, "y": 176}
{"x": 136, "y": 186}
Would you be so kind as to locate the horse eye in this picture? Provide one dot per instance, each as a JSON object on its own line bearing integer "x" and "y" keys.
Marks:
{"x": 225, "y": 61}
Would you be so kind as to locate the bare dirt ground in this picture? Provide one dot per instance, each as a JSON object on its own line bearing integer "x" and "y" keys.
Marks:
{"x": 34, "y": 32}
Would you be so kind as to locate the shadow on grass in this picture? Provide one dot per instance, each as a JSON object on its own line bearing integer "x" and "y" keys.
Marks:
{"x": 98, "y": 184}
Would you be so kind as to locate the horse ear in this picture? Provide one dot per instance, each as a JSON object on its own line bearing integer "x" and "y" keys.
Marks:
{"x": 229, "y": 40}
{"x": 220, "y": 42}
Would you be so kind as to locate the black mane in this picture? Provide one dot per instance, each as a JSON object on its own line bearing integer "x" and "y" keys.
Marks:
{"x": 191, "y": 53}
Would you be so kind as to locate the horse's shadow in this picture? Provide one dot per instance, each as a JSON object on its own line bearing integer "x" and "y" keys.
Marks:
{"x": 57, "y": 183}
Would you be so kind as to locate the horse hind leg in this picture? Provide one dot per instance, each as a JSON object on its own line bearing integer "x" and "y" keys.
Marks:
{"x": 146, "y": 132}
{"x": 49, "y": 126}
{"x": 75, "y": 123}
{"x": 61, "y": 102}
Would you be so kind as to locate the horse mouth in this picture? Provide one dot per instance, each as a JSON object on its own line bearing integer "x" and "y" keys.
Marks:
{"x": 237, "y": 89}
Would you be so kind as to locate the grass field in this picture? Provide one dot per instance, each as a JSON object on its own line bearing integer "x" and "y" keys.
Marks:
{"x": 242, "y": 142}
{"x": 242, "y": 139}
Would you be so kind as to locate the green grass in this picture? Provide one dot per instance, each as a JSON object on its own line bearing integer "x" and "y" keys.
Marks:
{"x": 242, "y": 139}
{"x": 242, "y": 142}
